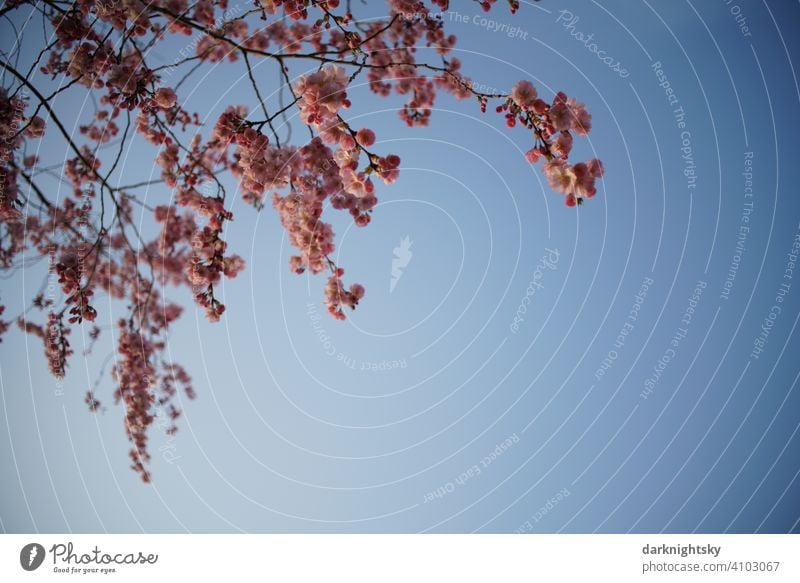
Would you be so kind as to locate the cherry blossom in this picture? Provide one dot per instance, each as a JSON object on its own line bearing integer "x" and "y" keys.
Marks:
{"x": 524, "y": 94}
{"x": 166, "y": 98}
{"x": 107, "y": 239}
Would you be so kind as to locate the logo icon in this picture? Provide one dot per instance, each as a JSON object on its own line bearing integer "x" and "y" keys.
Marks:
{"x": 401, "y": 259}
{"x": 31, "y": 556}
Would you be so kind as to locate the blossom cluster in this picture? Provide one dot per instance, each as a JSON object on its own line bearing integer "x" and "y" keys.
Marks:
{"x": 337, "y": 297}
{"x": 314, "y": 174}
{"x": 70, "y": 272}
{"x": 143, "y": 387}
{"x": 322, "y": 95}
{"x": 54, "y": 337}
{"x": 13, "y": 130}
{"x": 96, "y": 235}
{"x": 552, "y": 126}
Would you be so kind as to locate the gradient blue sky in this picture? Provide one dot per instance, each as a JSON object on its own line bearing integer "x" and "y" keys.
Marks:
{"x": 294, "y": 430}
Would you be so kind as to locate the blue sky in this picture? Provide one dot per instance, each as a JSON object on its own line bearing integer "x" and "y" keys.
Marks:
{"x": 627, "y": 398}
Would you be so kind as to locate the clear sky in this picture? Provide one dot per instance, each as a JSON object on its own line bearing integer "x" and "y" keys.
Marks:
{"x": 635, "y": 391}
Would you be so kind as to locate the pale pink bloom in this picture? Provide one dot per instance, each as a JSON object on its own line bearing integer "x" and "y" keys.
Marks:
{"x": 560, "y": 176}
{"x": 560, "y": 117}
{"x": 584, "y": 181}
{"x": 165, "y": 98}
{"x": 322, "y": 95}
{"x": 35, "y": 128}
{"x": 567, "y": 114}
{"x": 365, "y": 137}
{"x": 581, "y": 118}
{"x": 595, "y": 167}
{"x": 524, "y": 94}
{"x": 533, "y": 155}
{"x": 234, "y": 265}
{"x": 337, "y": 297}
{"x": 296, "y": 264}
{"x": 357, "y": 290}
{"x": 388, "y": 168}
{"x": 562, "y": 145}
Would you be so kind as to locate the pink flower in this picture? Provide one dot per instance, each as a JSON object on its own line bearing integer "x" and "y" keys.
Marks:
{"x": 533, "y": 155}
{"x": 524, "y": 94}
{"x": 233, "y": 266}
{"x": 584, "y": 181}
{"x": 322, "y": 95}
{"x": 166, "y": 98}
{"x": 562, "y": 145}
{"x": 581, "y": 118}
{"x": 560, "y": 116}
{"x": 595, "y": 167}
{"x": 388, "y": 168}
{"x": 560, "y": 176}
{"x": 365, "y": 137}
{"x": 337, "y": 297}
{"x": 567, "y": 114}
{"x": 296, "y": 264}
{"x": 35, "y": 128}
